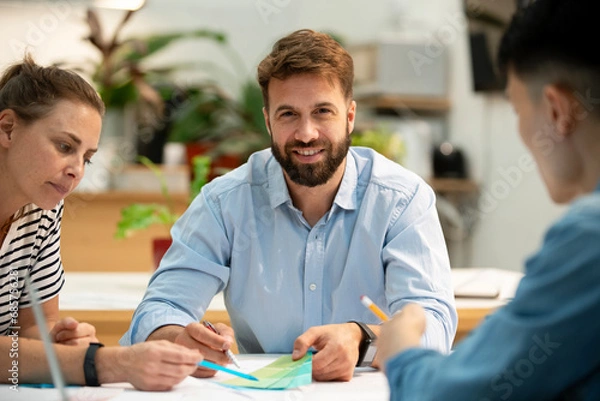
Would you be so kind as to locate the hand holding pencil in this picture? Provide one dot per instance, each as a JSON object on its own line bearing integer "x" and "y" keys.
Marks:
{"x": 373, "y": 308}
{"x": 404, "y": 330}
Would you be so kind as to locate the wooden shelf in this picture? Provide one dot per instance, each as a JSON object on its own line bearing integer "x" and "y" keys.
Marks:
{"x": 112, "y": 324}
{"x": 125, "y": 196}
{"x": 89, "y": 224}
{"x": 453, "y": 185}
{"x": 396, "y": 102}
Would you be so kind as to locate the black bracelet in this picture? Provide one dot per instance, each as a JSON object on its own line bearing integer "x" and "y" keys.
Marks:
{"x": 89, "y": 365}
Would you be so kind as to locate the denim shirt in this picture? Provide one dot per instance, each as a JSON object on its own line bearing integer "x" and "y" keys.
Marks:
{"x": 541, "y": 346}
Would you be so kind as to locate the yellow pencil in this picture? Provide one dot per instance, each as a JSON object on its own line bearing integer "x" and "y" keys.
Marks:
{"x": 373, "y": 308}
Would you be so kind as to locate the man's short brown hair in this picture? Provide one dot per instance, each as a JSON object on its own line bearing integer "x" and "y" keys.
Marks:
{"x": 307, "y": 52}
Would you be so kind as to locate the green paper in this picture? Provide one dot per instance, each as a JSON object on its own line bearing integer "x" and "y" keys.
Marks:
{"x": 281, "y": 374}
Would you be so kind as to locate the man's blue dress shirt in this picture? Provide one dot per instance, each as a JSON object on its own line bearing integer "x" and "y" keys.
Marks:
{"x": 541, "y": 346}
{"x": 280, "y": 276}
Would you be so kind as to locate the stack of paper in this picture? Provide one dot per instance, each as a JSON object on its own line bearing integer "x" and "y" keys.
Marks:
{"x": 283, "y": 373}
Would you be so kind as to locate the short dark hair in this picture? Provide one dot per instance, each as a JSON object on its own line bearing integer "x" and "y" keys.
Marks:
{"x": 552, "y": 40}
{"x": 33, "y": 91}
{"x": 307, "y": 52}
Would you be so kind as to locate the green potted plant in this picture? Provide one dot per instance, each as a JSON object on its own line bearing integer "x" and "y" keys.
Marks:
{"x": 382, "y": 140}
{"x": 136, "y": 93}
{"x": 214, "y": 123}
{"x": 139, "y": 216}
{"x": 121, "y": 75}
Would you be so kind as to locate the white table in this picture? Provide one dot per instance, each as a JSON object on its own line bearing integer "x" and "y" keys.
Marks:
{"x": 124, "y": 291}
{"x": 107, "y": 300}
{"x": 367, "y": 384}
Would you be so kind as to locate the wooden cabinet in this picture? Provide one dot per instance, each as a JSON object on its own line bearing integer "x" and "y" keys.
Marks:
{"x": 112, "y": 324}
{"x": 88, "y": 227}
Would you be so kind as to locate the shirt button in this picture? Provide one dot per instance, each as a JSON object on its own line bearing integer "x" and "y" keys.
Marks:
{"x": 312, "y": 287}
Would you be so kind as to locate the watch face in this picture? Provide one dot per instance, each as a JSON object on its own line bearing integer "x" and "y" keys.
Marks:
{"x": 369, "y": 355}
{"x": 366, "y": 348}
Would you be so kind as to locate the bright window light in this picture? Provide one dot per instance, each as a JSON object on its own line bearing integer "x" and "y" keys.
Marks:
{"x": 120, "y": 4}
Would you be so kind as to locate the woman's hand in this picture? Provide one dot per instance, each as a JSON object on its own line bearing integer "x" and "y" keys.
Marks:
{"x": 148, "y": 366}
{"x": 69, "y": 331}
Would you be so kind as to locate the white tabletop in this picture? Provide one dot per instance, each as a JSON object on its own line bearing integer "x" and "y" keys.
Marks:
{"x": 110, "y": 291}
{"x": 367, "y": 384}
{"x": 124, "y": 291}
{"x": 484, "y": 288}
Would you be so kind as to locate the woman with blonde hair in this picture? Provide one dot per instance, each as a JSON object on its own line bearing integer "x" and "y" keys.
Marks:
{"x": 50, "y": 124}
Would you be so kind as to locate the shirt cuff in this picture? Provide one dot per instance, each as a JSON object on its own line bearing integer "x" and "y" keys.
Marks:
{"x": 436, "y": 336}
{"x": 148, "y": 322}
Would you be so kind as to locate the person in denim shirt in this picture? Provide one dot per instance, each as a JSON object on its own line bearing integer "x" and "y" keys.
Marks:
{"x": 543, "y": 344}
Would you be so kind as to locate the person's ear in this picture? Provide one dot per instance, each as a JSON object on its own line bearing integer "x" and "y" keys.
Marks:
{"x": 267, "y": 122}
{"x": 562, "y": 109}
{"x": 351, "y": 116}
{"x": 7, "y": 124}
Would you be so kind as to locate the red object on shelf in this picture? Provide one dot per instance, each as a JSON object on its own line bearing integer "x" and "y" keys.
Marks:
{"x": 218, "y": 165}
{"x": 159, "y": 248}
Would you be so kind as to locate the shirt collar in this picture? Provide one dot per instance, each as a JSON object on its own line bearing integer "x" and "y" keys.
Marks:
{"x": 278, "y": 191}
{"x": 345, "y": 197}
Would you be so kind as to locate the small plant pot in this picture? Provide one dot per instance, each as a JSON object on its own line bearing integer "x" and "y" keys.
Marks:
{"x": 219, "y": 165}
{"x": 159, "y": 247}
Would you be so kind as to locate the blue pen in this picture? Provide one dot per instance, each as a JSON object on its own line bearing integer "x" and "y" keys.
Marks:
{"x": 210, "y": 365}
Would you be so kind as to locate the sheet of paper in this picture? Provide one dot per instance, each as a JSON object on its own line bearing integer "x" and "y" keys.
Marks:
{"x": 49, "y": 393}
{"x": 283, "y": 373}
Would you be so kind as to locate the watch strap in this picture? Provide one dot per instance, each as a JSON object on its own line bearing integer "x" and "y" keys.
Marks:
{"x": 367, "y": 340}
{"x": 89, "y": 365}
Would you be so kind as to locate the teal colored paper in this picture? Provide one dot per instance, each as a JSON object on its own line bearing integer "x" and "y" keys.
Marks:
{"x": 281, "y": 374}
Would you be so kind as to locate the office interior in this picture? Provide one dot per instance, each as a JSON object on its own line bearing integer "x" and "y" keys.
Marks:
{"x": 495, "y": 223}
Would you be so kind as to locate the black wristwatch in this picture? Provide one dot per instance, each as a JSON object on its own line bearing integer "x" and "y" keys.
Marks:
{"x": 89, "y": 365}
{"x": 367, "y": 348}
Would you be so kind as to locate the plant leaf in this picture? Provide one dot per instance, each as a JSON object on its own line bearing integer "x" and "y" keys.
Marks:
{"x": 146, "y": 46}
{"x": 201, "y": 166}
{"x": 140, "y": 216}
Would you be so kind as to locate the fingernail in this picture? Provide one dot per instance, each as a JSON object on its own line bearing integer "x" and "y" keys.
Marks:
{"x": 296, "y": 353}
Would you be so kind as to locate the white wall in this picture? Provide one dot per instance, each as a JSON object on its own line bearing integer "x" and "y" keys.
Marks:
{"x": 514, "y": 208}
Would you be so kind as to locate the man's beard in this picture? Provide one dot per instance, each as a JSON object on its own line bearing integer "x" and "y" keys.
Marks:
{"x": 313, "y": 174}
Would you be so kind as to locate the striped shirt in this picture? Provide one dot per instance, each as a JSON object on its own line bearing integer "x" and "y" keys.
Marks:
{"x": 33, "y": 242}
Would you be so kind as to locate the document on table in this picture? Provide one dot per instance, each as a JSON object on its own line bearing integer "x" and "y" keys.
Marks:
{"x": 282, "y": 374}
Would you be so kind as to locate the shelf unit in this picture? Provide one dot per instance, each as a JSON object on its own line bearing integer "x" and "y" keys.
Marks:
{"x": 456, "y": 186}
{"x": 400, "y": 103}
{"x": 88, "y": 226}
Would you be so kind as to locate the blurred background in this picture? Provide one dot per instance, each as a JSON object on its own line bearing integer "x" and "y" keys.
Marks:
{"x": 427, "y": 92}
